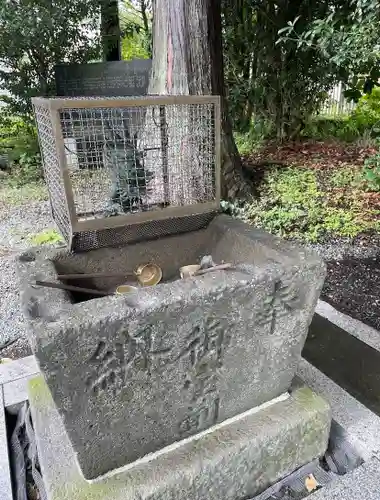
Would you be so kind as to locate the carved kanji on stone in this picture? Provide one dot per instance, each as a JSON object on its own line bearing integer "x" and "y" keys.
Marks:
{"x": 112, "y": 362}
{"x": 283, "y": 299}
{"x": 201, "y": 415}
{"x": 205, "y": 347}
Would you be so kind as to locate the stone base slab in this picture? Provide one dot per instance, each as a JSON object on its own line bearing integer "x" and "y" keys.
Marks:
{"x": 234, "y": 460}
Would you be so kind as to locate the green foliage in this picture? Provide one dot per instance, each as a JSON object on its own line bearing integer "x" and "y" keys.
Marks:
{"x": 346, "y": 177}
{"x": 367, "y": 113}
{"x": 372, "y": 172}
{"x": 274, "y": 83}
{"x": 347, "y": 35}
{"x": 363, "y": 121}
{"x": 47, "y": 237}
{"x": 27, "y": 170}
{"x": 293, "y": 205}
{"x": 342, "y": 222}
{"x": 322, "y": 128}
{"x": 295, "y": 186}
{"x": 35, "y": 35}
{"x": 17, "y": 137}
{"x": 134, "y": 47}
{"x": 136, "y": 28}
{"x": 253, "y": 139}
{"x": 19, "y": 142}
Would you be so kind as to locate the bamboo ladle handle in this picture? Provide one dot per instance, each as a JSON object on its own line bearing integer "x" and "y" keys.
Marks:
{"x": 71, "y": 288}
{"x": 219, "y": 267}
{"x": 94, "y": 275}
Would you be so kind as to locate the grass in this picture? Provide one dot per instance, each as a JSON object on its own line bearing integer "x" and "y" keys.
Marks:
{"x": 16, "y": 196}
{"x": 46, "y": 237}
{"x": 311, "y": 205}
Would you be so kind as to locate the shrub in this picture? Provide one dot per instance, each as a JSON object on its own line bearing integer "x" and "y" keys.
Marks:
{"x": 247, "y": 142}
{"x": 346, "y": 177}
{"x": 17, "y": 136}
{"x": 26, "y": 170}
{"x": 372, "y": 172}
{"x": 367, "y": 113}
{"x": 19, "y": 143}
{"x": 364, "y": 120}
{"x": 293, "y": 205}
{"x": 341, "y": 128}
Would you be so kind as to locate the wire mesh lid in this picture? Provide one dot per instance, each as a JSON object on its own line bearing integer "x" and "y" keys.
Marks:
{"x": 88, "y": 240}
{"x": 126, "y": 163}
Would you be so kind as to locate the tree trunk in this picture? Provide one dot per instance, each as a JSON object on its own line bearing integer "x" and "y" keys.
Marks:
{"x": 110, "y": 30}
{"x": 188, "y": 59}
{"x": 143, "y": 9}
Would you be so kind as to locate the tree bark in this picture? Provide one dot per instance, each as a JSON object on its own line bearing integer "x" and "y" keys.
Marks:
{"x": 188, "y": 59}
{"x": 144, "y": 8}
{"x": 110, "y": 30}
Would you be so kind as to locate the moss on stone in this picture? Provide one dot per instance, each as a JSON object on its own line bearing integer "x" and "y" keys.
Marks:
{"x": 84, "y": 491}
{"x": 308, "y": 399}
{"x": 37, "y": 389}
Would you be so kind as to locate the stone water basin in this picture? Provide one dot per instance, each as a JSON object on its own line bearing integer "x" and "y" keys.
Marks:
{"x": 130, "y": 375}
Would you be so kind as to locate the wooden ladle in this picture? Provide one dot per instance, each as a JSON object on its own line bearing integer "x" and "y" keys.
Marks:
{"x": 146, "y": 274}
{"x": 194, "y": 270}
{"x": 71, "y": 288}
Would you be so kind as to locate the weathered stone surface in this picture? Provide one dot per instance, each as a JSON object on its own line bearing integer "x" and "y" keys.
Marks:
{"x": 132, "y": 375}
{"x": 231, "y": 461}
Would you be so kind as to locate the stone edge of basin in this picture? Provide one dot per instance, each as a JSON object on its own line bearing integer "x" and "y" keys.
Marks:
{"x": 47, "y": 306}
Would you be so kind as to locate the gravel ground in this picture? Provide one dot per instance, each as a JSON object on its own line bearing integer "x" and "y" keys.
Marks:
{"x": 16, "y": 225}
{"x": 352, "y": 284}
{"x": 353, "y": 287}
{"x": 362, "y": 247}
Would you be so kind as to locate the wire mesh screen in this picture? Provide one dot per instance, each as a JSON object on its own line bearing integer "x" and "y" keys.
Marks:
{"x": 135, "y": 159}
{"x": 127, "y": 157}
{"x": 88, "y": 240}
{"x": 52, "y": 171}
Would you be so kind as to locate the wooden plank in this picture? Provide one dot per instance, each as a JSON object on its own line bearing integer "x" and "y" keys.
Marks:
{"x": 40, "y": 101}
{"x": 62, "y": 160}
{"x": 5, "y": 472}
{"x": 58, "y": 104}
{"x": 138, "y": 218}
